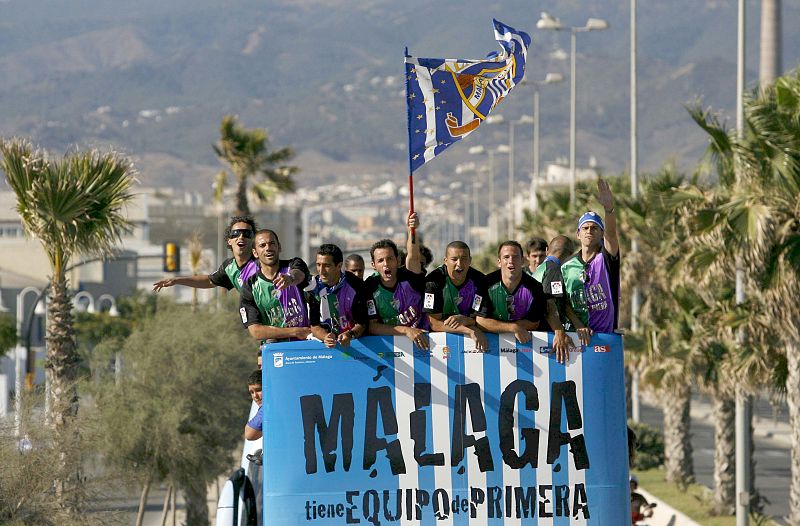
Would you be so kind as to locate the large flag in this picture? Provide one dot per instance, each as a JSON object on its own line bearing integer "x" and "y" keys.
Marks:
{"x": 449, "y": 98}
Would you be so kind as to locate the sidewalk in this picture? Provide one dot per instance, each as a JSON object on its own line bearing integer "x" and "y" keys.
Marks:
{"x": 664, "y": 514}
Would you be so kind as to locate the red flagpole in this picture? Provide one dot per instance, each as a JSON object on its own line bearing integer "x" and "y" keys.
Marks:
{"x": 411, "y": 203}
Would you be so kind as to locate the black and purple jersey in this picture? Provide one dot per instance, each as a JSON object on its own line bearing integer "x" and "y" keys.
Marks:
{"x": 262, "y": 303}
{"x": 338, "y": 308}
{"x": 443, "y": 297}
{"x": 229, "y": 275}
{"x": 401, "y": 305}
{"x": 526, "y": 302}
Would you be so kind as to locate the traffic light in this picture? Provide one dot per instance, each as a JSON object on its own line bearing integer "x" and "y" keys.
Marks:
{"x": 172, "y": 256}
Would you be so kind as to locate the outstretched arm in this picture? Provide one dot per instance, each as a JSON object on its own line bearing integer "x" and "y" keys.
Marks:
{"x": 606, "y": 198}
{"x": 201, "y": 281}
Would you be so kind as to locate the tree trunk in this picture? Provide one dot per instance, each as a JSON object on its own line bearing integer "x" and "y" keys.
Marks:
{"x": 62, "y": 370}
{"x": 242, "y": 207}
{"x": 677, "y": 435}
{"x": 143, "y": 501}
{"x": 165, "y": 508}
{"x": 793, "y": 400}
{"x": 194, "y": 495}
{"x": 724, "y": 413}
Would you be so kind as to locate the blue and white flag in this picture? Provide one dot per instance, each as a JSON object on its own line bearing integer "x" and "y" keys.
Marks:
{"x": 386, "y": 433}
{"x": 449, "y": 98}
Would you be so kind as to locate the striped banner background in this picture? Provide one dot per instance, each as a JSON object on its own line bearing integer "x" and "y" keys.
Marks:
{"x": 389, "y": 393}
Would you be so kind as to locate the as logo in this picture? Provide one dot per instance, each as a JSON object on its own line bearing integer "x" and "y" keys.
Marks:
{"x": 545, "y": 349}
{"x": 277, "y": 359}
{"x": 371, "y": 310}
{"x": 445, "y": 352}
{"x": 243, "y": 314}
{"x": 602, "y": 348}
{"x": 557, "y": 288}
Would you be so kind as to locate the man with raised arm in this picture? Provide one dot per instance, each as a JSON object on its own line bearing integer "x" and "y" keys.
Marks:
{"x": 455, "y": 294}
{"x": 272, "y": 304}
{"x": 235, "y": 270}
{"x": 591, "y": 276}
{"x": 394, "y": 295}
{"x": 336, "y": 303}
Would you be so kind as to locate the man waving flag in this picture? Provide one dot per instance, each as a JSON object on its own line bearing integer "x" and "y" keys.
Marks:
{"x": 449, "y": 98}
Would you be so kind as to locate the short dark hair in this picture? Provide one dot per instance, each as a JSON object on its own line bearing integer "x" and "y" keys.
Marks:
{"x": 425, "y": 255}
{"x": 561, "y": 246}
{"x": 383, "y": 243}
{"x": 536, "y": 243}
{"x": 268, "y": 231}
{"x": 329, "y": 249}
{"x": 457, "y": 245}
{"x": 510, "y": 243}
{"x": 355, "y": 258}
{"x": 239, "y": 219}
{"x": 254, "y": 378}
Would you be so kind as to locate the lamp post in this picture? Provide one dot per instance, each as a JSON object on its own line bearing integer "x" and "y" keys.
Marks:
{"x": 550, "y": 78}
{"x": 480, "y": 150}
{"x": 512, "y": 210}
{"x": 743, "y": 401}
{"x": 90, "y": 306}
{"x": 593, "y": 24}
{"x": 18, "y": 358}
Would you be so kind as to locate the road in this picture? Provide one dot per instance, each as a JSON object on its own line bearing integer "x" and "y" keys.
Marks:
{"x": 772, "y": 454}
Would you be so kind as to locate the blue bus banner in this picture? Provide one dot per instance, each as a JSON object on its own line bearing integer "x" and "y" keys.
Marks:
{"x": 385, "y": 433}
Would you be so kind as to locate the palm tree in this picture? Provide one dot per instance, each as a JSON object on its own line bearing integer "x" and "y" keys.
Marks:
{"x": 72, "y": 206}
{"x": 247, "y": 154}
{"x": 194, "y": 244}
{"x": 761, "y": 221}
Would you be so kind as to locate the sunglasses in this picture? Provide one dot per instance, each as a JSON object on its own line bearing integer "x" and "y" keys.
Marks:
{"x": 246, "y": 232}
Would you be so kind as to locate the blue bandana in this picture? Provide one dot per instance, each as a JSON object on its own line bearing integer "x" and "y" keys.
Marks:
{"x": 591, "y": 217}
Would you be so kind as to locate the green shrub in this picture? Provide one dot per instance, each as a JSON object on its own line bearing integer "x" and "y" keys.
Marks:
{"x": 650, "y": 446}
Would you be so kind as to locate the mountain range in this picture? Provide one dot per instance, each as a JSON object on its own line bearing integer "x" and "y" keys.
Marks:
{"x": 154, "y": 79}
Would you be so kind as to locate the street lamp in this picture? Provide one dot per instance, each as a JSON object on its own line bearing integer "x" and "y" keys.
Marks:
{"x": 18, "y": 357}
{"x": 550, "y": 78}
{"x": 480, "y": 150}
{"x": 512, "y": 225}
{"x": 90, "y": 305}
{"x": 593, "y": 24}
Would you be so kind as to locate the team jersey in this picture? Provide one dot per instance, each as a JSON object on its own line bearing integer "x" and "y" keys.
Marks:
{"x": 401, "y": 305}
{"x": 443, "y": 297}
{"x": 593, "y": 289}
{"x": 526, "y": 302}
{"x": 262, "y": 303}
{"x": 229, "y": 275}
{"x": 338, "y": 308}
{"x": 549, "y": 275}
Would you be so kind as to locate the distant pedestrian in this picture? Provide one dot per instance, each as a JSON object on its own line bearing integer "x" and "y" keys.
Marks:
{"x": 355, "y": 265}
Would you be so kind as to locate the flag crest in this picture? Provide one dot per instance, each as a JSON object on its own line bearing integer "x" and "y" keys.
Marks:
{"x": 449, "y": 98}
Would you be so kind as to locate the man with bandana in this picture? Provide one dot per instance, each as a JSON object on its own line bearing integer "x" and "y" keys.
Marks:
{"x": 235, "y": 270}
{"x": 455, "y": 294}
{"x": 394, "y": 294}
{"x": 272, "y": 304}
{"x": 336, "y": 303}
{"x": 591, "y": 276}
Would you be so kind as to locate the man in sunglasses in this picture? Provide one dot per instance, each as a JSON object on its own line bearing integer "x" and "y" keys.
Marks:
{"x": 235, "y": 270}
